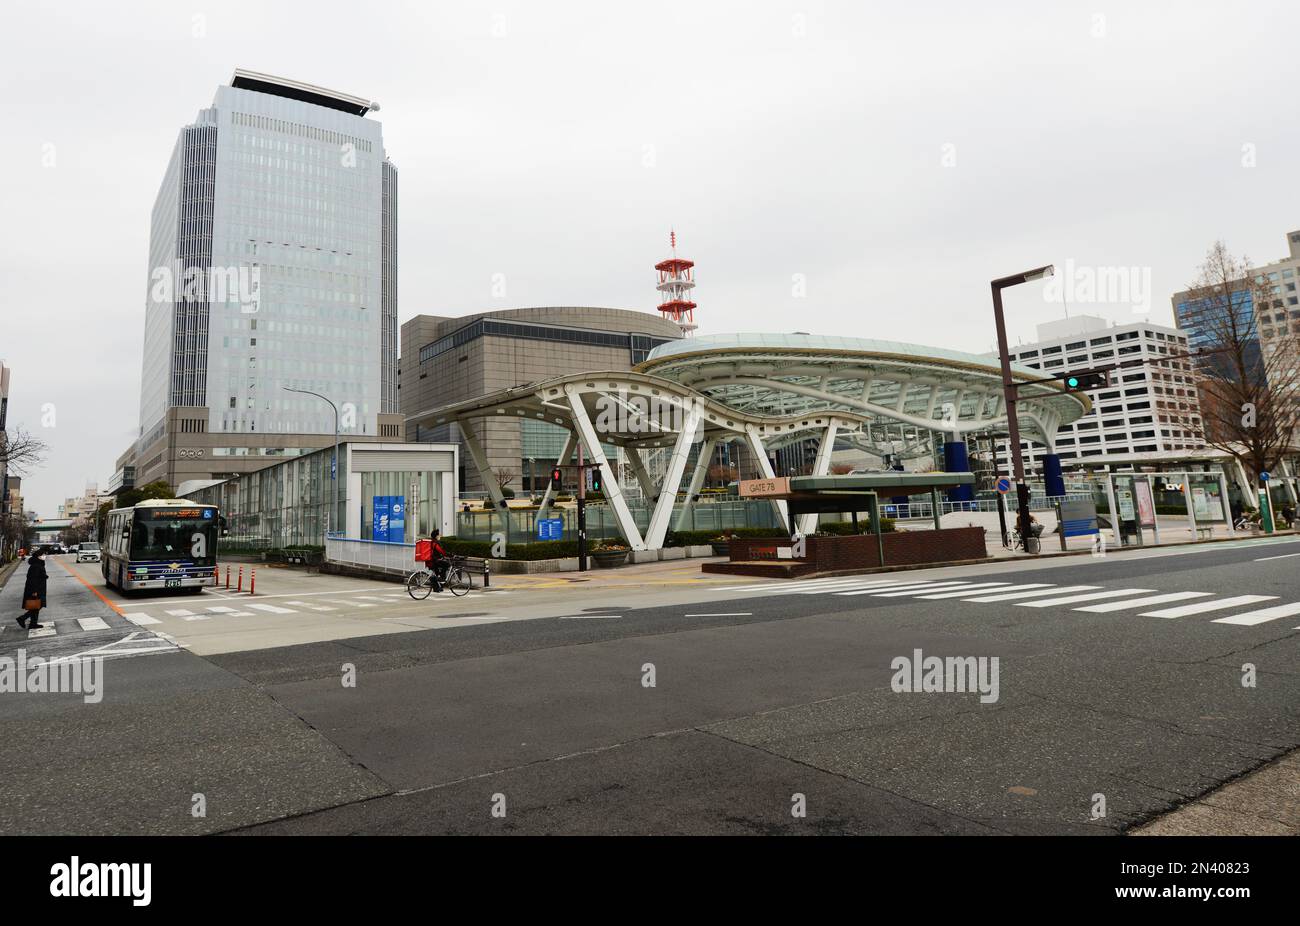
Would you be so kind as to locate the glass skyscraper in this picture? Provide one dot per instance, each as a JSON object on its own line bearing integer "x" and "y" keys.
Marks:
{"x": 272, "y": 264}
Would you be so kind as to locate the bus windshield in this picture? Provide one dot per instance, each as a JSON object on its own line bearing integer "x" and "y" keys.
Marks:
{"x": 175, "y": 534}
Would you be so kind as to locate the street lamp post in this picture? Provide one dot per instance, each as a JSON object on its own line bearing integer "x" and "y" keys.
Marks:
{"x": 1009, "y": 392}
{"x": 334, "y": 464}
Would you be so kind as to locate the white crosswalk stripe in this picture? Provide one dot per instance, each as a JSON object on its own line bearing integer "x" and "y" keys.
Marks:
{"x": 1092, "y": 599}
{"x": 1201, "y": 607}
{"x": 311, "y": 606}
{"x": 988, "y": 586}
{"x": 44, "y": 631}
{"x": 910, "y": 592}
{"x": 904, "y": 586}
{"x": 1251, "y": 618}
{"x": 271, "y": 608}
{"x": 1015, "y": 592}
{"x": 1141, "y": 602}
{"x": 140, "y": 620}
{"x": 92, "y": 623}
{"x": 181, "y": 612}
{"x": 1087, "y": 596}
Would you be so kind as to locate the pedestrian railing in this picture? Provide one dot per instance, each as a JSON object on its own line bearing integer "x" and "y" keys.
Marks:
{"x": 373, "y": 554}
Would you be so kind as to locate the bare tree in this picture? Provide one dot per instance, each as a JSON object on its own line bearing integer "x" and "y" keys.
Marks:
{"x": 19, "y": 451}
{"x": 503, "y": 479}
{"x": 1248, "y": 365}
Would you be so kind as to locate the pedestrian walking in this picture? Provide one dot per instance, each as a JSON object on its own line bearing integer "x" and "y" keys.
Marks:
{"x": 34, "y": 590}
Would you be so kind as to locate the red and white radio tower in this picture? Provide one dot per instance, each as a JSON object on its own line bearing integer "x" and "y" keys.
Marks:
{"x": 676, "y": 280}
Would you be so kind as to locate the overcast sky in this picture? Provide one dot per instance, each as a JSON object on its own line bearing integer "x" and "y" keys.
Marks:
{"x": 843, "y": 168}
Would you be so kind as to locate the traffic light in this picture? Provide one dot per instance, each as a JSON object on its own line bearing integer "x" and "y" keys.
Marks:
{"x": 556, "y": 477}
{"x": 1085, "y": 379}
{"x": 595, "y": 479}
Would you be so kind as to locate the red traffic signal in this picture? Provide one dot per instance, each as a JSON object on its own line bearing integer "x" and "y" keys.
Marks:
{"x": 556, "y": 477}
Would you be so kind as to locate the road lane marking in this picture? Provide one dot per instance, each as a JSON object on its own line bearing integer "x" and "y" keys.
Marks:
{"x": 310, "y": 606}
{"x": 1087, "y": 596}
{"x": 590, "y": 617}
{"x": 1141, "y": 602}
{"x": 1201, "y": 607}
{"x": 1251, "y": 618}
{"x": 271, "y": 608}
{"x": 181, "y": 612}
{"x": 901, "y": 593}
{"x": 45, "y": 631}
{"x": 92, "y": 623}
{"x": 1016, "y": 591}
{"x": 97, "y": 593}
{"x": 1265, "y": 559}
{"x": 918, "y": 586}
{"x": 141, "y": 620}
{"x": 853, "y": 586}
{"x": 1003, "y": 586}
{"x": 724, "y": 614}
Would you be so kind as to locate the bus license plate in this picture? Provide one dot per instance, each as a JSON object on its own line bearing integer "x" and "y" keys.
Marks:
{"x": 173, "y": 583}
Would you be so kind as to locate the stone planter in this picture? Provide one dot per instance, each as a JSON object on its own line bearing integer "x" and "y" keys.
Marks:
{"x": 608, "y": 559}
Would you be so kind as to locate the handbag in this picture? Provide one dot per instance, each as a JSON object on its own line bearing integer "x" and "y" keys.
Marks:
{"x": 32, "y": 604}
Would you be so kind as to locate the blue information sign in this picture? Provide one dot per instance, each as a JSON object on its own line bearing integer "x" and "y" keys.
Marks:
{"x": 550, "y": 529}
{"x": 389, "y": 518}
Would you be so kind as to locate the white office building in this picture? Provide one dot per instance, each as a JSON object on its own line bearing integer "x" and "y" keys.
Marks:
{"x": 272, "y": 264}
{"x": 1150, "y": 405}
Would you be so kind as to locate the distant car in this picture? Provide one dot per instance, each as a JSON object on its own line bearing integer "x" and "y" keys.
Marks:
{"x": 88, "y": 553}
{"x": 74, "y": 548}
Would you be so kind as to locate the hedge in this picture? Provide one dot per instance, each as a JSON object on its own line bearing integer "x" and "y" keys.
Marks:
{"x": 696, "y": 538}
{"x": 539, "y": 549}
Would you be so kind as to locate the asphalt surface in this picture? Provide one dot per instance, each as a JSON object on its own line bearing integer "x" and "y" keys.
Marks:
{"x": 762, "y": 701}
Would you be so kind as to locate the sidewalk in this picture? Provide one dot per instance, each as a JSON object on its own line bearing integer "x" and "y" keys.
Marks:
{"x": 1265, "y": 802}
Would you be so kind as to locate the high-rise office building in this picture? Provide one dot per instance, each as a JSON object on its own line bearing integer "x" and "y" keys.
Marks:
{"x": 272, "y": 266}
{"x": 1150, "y": 406}
{"x": 1266, "y": 304}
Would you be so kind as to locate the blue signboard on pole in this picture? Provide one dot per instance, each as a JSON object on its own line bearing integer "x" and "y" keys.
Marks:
{"x": 550, "y": 529}
{"x": 396, "y": 518}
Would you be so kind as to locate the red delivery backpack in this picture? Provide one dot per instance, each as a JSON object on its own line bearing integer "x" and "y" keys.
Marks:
{"x": 423, "y": 550}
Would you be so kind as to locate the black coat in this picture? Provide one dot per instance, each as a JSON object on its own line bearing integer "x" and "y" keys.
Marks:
{"x": 36, "y": 579}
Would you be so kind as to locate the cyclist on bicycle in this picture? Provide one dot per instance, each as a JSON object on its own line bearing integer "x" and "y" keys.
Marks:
{"x": 439, "y": 562}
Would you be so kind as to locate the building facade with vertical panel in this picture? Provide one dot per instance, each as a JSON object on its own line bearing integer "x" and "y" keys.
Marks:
{"x": 272, "y": 264}
{"x": 448, "y": 360}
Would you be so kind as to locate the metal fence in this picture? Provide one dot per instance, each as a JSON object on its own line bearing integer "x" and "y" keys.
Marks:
{"x": 375, "y": 554}
{"x": 520, "y": 526}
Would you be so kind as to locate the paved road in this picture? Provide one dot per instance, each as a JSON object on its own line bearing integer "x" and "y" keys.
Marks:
{"x": 762, "y": 692}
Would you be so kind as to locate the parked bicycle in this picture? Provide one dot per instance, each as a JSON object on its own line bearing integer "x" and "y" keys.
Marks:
{"x": 459, "y": 580}
{"x": 1030, "y": 544}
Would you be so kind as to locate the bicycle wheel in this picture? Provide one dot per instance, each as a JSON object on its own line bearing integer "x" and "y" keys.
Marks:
{"x": 419, "y": 584}
{"x": 460, "y": 582}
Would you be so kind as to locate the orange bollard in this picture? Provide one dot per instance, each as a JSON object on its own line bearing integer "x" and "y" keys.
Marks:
{"x": 227, "y": 575}
{"x": 252, "y": 583}
{"x": 240, "y": 586}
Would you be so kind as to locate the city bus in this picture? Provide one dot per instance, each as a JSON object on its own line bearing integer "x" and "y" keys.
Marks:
{"x": 168, "y": 543}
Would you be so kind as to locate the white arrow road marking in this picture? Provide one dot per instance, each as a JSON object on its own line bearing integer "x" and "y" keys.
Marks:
{"x": 1201, "y": 607}
{"x": 1251, "y": 618}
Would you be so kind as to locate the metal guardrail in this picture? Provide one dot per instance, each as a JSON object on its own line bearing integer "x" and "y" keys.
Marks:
{"x": 373, "y": 554}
